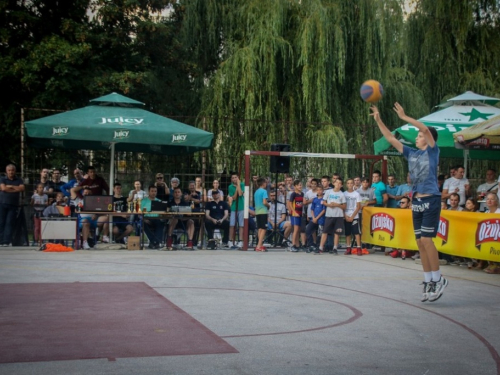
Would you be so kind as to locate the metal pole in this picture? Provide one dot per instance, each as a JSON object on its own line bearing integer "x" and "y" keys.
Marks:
{"x": 112, "y": 169}
{"x": 22, "y": 152}
{"x": 111, "y": 184}
{"x": 247, "y": 200}
{"x": 203, "y": 159}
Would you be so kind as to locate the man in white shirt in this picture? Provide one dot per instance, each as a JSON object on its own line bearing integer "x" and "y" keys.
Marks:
{"x": 456, "y": 184}
{"x": 498, "y": 191}
{"x": 490, "y": 186}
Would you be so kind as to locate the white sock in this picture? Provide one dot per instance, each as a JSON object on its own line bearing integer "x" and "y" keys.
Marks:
{"x": 427, "y": 277}
{"x": 436, "y": 275}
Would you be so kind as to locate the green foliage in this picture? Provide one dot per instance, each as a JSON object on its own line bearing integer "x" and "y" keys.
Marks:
{"x": 298, "y": 66}
{"x": 58, "y": 55}
{"x": 453, "y": 47}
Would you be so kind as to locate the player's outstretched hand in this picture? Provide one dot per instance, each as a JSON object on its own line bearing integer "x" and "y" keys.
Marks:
{"x": 399, "y": 110}
{"x": 375, "y": 113}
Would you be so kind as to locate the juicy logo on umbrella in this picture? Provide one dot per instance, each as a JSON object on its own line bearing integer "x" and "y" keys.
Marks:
{"x": 179, "y": 138}
{"x": 121, "y": 120}
{"x": 121, "y": 134}
{"x": 60, "y": 131}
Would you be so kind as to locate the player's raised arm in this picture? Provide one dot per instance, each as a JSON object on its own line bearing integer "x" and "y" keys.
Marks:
{"x": 383, "y": 129}
{"x": 421, "y": 127}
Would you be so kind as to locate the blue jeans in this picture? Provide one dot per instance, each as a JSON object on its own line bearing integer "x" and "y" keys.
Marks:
{"x": 310, "y": 229}
{"x": 7, "y": 218}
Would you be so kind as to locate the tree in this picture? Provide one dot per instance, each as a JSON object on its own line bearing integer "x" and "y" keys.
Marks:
{"x": 453, "y": 47}
{"x": 60, "y": 54}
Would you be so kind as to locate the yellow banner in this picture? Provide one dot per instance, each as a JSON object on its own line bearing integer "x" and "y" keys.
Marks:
{"x": 464, "y": 234}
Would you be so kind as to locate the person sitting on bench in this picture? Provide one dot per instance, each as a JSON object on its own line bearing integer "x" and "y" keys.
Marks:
{"x": 185, "y": 222}
{"x": 216, "y": 214}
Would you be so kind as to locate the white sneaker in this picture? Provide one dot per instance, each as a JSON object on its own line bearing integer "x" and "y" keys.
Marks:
{"x": 437, "y": 288}
{"x": 86, "y": 245}
{"x": 425, "y": 291}
{"x": 239, "y": 244}
{"x": 105, "y": 239}
{"x": 230, "y": 244}
{"x": 125, "y": 239}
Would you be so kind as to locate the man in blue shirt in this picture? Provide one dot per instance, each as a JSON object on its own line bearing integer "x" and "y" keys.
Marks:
{"x": 379, "y": 189}
{"x": 392, "y": 190}
{"x": 405, "y": 190}
{"x": 11, "y": 187}
{"x": 66, "y": 188}
{"x": 216, "y": 215}
{"x": 426, "y": 198}
{"x": 317, "y": 220}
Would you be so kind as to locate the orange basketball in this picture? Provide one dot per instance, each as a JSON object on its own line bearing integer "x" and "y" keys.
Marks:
{"x": 371, "y": 91}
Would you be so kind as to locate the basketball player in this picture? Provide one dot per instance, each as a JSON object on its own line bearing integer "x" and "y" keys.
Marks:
{"x": 426, "y": 198}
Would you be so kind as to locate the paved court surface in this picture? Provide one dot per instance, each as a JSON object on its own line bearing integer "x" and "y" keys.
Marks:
{"x": 283, "y": 313}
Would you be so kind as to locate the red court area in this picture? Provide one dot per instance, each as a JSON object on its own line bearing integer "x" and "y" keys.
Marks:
{"x": 54, "y": 322}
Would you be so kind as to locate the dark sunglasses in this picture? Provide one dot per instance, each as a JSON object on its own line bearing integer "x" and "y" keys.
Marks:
{"x": 159, "y": 178}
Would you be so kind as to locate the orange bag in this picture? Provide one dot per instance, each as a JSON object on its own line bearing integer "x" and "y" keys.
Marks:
{"x": 55, "y": 248}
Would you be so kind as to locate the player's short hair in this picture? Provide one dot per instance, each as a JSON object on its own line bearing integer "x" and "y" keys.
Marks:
{"x": 434, "y": 132}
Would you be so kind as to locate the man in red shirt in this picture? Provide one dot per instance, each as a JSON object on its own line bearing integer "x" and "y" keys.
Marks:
{"x": 92, "y": 182}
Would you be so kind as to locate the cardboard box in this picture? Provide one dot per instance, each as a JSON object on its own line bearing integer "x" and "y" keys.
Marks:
{"x": 134, "y": 243}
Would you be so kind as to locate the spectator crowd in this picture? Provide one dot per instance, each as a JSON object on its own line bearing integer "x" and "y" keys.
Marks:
{"x": 313, "y": 216}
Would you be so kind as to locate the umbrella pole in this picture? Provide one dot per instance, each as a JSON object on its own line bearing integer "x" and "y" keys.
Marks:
{"x": 111, "y": 185}
{"x": 466, "y": 156}
{"x": 112, "y": 169}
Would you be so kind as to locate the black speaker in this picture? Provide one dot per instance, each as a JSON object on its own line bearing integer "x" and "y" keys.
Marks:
{"x": 280, "y": 164}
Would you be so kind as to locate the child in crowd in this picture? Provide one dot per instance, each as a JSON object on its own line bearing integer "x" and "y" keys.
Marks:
{"x": 39, "y": 201}
{"x": 317, "y": 219}
{"x": 367, "y": 199}
{"x": 295, "y": 205}
{"x": 261, "y": 211}
{"x": 351, "y": 217}
{"x": 335, "y": 203}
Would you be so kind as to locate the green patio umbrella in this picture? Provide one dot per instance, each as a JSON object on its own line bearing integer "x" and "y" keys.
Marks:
{"x": 461, "y": 113}
{"x": 482, "y": 136}
{"x": 116, "y": 120}
{"x": 117, "y": 123}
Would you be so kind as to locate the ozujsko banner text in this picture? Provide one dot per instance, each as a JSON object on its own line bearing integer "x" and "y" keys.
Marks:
{"x": 464, "y": 234}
